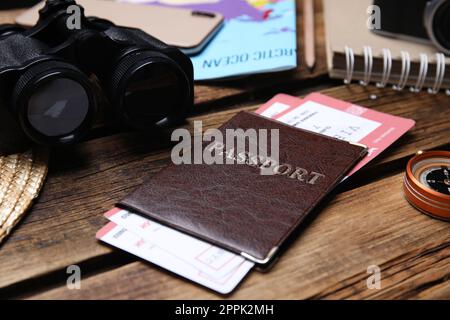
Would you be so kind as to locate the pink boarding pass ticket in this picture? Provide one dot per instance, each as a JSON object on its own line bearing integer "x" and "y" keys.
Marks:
{"x": 339, "y": 119}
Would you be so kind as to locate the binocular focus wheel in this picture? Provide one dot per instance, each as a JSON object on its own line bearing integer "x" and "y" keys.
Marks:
{"x": 54, "y": 102}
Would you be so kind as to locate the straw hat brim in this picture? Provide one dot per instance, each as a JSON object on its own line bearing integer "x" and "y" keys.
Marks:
{"x": 21, "y": 179}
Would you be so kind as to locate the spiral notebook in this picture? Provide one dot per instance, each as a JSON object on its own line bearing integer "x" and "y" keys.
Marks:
{"x": 354, "y": 52}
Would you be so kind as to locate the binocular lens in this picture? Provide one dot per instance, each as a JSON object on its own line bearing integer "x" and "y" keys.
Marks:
{"x": 54, "y": 103}
{"x": 149, "y": 89}
{"x": 151, "y": 92}
{"x": 58, "y": 107}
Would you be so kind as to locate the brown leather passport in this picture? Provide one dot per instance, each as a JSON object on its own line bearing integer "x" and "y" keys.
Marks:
{"x": 237, "y": 208}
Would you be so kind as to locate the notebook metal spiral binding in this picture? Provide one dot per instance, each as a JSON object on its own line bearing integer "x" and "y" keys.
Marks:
{"x": 387, "y": 68}
{"x": 440, "y": 72}
{"x": 368, "y": 66}
{"x": 423, "y": 69}
{"x": 350, "y": 63}
{"x": 405, "y": 70}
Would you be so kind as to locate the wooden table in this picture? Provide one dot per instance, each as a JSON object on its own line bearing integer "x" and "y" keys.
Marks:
{"x": 367, "y": 223}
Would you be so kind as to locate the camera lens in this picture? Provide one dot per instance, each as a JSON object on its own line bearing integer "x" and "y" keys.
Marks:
{"x": 54, "y": 103}
{"x": 149, "y": 88}
{"x": 441, "y": 25}
{"x": 437, "y": 20}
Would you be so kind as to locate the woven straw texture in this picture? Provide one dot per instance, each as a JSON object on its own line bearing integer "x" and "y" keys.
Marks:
{"x": 21, "y": 179}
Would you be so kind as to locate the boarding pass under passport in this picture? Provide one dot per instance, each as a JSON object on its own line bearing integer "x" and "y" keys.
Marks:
{"x": 189, "y": 257}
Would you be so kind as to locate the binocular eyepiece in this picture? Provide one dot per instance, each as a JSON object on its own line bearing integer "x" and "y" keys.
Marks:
{"x": 46, "y": 75}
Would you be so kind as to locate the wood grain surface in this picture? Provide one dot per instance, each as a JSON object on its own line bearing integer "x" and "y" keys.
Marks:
{"x": 367, "y": 223}
{"x": 371, "y": 225}
{"x": 87, "y": 180}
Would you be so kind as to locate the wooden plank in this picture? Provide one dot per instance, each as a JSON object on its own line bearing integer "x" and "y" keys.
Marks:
{"x": 89, "y": 178}
{"x": 372, "y": 225}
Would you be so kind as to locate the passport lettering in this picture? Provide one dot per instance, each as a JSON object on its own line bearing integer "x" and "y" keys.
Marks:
{"x": 266, "y": 163}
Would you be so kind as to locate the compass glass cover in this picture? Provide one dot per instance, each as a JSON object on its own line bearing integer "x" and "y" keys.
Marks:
{"x": 434, "y": 173}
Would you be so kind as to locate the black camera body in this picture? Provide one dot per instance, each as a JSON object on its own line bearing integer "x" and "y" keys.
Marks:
{"x": 417, "y": 20}
{"x": 45, "y": 75}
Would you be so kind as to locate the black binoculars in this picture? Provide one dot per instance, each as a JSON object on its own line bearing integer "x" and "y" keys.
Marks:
{"x": 46, "y": 73}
